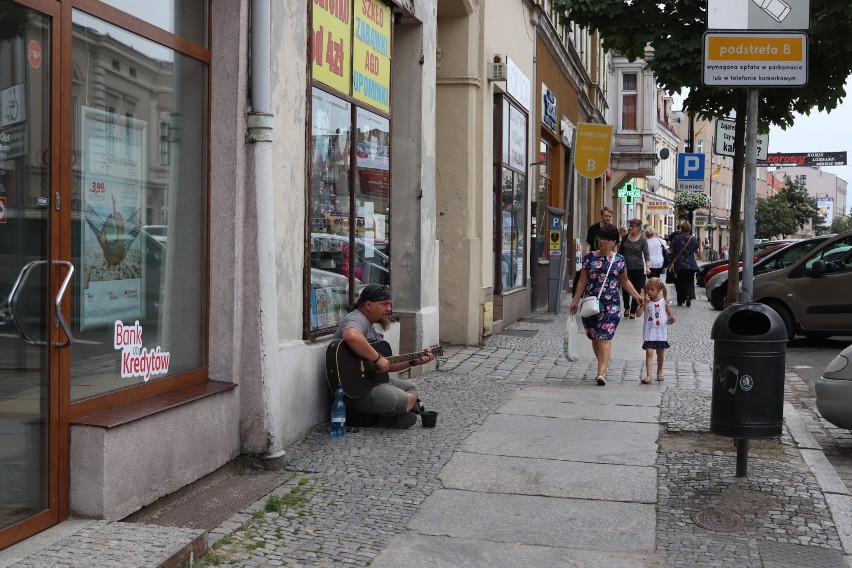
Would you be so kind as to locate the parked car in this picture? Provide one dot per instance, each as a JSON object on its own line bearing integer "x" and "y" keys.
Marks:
{"x": 813, "y": 295}
{"x": 701, "y": 275}
{"x": 717, "y": 287}
{"x": 757, "y": 256}
{"x": 834, "y": 390}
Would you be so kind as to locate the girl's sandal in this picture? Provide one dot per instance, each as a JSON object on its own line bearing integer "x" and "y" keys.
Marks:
{"x": 601, "y": 380}
{"x": 646, "y": 381}
{"x": 660, "y": 377}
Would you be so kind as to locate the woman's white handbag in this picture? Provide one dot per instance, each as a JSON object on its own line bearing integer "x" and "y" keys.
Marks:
{"x": 590, "y": 305}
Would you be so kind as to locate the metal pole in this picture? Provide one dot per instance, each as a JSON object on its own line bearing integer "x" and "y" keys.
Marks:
{"x": 750, "y": 195}
{"x": 742, "y": 457}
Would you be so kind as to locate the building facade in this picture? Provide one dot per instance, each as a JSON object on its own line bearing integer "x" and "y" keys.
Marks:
{"x": 191, "y": 196}
{"x": 828, "y": 189}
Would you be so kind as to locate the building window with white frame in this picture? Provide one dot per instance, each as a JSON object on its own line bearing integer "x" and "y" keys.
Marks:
{"x": 629, "y": 100}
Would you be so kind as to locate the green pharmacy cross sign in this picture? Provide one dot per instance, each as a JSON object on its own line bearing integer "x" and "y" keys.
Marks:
{"x": 629, "y": 192}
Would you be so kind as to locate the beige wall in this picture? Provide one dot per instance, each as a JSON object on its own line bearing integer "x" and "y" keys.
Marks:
{"x": 465, "y": 158}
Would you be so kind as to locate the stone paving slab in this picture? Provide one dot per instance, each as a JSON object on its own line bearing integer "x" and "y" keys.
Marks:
{"x": 567, "y": 523}
{"x": 552, "y": 478}
{"x": 570, "y": 439}
{"x": 444, "y": 552}
{"x": 104, "y": 544}
{"x": 548, "y": 409}
{"x": 623, "y": 395}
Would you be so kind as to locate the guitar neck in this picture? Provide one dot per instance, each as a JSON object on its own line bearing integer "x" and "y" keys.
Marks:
{"x": 403, "y": 358}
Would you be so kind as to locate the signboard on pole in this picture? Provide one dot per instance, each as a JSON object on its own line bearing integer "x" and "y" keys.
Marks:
{"x": 690, "y": 172}
{"x": 591, "y": 152}
{"x": 723, "y": 143}
{"x": 755, "y": 60}
{"x": 758, "y": 14}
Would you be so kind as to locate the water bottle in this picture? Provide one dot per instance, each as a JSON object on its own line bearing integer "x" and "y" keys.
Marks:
{"x": 338, "y": 414}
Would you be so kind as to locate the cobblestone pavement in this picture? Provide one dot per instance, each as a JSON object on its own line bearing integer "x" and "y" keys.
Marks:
{"x": 348, "y": 497}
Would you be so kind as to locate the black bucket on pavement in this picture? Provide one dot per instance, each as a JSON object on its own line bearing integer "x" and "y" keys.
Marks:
{"x": 750, "y": 345}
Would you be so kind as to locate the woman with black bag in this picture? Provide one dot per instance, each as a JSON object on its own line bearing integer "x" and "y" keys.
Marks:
{"x": 684, "y": 249}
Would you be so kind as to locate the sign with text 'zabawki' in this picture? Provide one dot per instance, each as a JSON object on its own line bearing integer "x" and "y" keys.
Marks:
{"x": 371, "y": 55}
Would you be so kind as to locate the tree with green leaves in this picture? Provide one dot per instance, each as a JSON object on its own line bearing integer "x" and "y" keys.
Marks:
{"x": 840, "y": 224}
{"x": 675, "y": 28}
{"x": 804, "y": 206}
{"x": 774, "y": 217}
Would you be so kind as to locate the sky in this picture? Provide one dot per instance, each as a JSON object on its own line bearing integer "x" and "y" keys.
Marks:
{"x": 817, "y": 132}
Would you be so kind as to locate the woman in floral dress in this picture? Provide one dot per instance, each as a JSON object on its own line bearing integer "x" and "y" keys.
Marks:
{"x": 600, "y": 328}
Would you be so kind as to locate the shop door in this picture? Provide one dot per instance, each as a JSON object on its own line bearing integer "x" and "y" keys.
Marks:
{"x": 34, "y": 334}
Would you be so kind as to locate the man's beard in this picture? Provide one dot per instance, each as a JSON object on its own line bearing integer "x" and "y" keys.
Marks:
{"x": 385, "y": 323}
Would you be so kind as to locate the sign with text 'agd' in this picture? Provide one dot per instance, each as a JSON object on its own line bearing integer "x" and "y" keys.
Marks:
{"x": 755, "y": 60}
{"x": 371, "y": 56}
{"x": 592, "y": 150}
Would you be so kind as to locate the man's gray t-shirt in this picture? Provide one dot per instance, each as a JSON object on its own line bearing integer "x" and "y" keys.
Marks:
{"x": 359, "y": 321}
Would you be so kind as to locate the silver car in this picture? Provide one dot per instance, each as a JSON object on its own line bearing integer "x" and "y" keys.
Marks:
{"x": 834, "y": 391}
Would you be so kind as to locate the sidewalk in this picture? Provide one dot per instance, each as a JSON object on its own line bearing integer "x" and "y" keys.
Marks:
{"x": 531, "y": 464}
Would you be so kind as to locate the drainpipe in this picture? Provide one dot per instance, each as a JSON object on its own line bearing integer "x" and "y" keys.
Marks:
{"x": 259, "y": 134}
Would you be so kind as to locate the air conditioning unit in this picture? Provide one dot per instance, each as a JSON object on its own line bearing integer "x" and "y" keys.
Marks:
{"x": 496, "y": 71}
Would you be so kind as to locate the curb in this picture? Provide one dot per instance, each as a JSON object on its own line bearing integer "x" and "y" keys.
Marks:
{"x": 836, "y": 494}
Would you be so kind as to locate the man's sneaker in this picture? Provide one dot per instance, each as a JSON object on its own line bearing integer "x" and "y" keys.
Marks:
{"x": 401, "y": 421}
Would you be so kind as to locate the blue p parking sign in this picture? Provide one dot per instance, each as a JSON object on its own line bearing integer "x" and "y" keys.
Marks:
{"x": 690, "y": 172}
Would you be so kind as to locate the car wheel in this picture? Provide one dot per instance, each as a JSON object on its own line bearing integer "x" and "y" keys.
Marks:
{"x": 787, "y": 318}
{"x": 717, "y": 298}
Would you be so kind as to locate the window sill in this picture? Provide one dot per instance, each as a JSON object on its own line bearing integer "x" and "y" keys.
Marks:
{"x": 133, "y": 411}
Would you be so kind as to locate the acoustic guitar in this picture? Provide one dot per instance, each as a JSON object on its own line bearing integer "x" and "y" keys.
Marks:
{"x": 358, "y": 376}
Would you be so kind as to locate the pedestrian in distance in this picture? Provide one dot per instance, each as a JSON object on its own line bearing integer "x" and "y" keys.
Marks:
{"x": 602, "y": 274}
{"x": 657, "y": 250}
{"x": 634, "y": 249}
{"x": 684, "y": 249}
{"x": 592, "y": 233}
{"x": 657, "y": 316}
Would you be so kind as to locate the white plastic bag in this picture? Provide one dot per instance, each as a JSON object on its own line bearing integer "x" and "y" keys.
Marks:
{"x": 571, "y": 341}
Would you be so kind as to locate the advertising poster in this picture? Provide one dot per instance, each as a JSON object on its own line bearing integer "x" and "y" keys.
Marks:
{"x": 332, "y": 43}
{"x": 112, "y": 170}
{"x": 826, "y": 209}
{"x": 371, "y": 54}
{"x": 517, "y": 139}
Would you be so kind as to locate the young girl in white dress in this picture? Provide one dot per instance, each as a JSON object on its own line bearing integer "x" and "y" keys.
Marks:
{"x": 656, "y": 316}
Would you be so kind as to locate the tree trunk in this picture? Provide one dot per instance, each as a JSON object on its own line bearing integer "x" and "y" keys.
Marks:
{"x": 736, "y": 247}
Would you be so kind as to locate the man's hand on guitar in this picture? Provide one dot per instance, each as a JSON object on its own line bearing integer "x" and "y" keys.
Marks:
{"x": 382, "y": 365}
{"x": 424, "y": 359}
